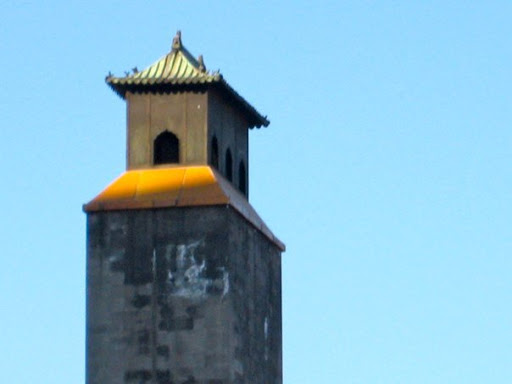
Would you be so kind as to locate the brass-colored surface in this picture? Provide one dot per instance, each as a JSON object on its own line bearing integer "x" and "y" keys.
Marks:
{"x": 176, "y": 187}
{"x": 178, "y": 71}
{"x": 177, "y": 67}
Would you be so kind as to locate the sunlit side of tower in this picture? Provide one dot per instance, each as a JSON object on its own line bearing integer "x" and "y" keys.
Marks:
{"x": 183, "y": 276}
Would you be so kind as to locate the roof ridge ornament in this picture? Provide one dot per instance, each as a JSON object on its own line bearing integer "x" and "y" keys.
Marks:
{"x": 179, "y": 71}
{"x": 176, "y": 41}
{"x": 202, "y": 67}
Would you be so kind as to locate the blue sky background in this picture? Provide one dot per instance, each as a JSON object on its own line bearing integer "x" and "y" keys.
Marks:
{"x": 386, "y": 170}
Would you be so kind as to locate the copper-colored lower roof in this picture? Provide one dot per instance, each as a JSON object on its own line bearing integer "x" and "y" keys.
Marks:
{"x": 176, "y": 187}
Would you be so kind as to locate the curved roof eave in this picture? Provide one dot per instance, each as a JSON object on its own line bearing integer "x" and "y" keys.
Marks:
{"x": 179, "y": 71}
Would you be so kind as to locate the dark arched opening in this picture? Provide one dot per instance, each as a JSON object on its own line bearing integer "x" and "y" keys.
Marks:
{"x": 166, "y": 149}
{"x": 214, "y": 153}
{"x": 242, "y": 179}
{"x": 229, "y": 165}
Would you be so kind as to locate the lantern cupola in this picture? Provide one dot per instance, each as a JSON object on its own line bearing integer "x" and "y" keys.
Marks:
{"x": 179, "y": 114}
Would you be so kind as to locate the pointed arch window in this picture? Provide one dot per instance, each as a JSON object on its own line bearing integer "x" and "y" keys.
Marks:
{"x": 166, "y": 149}
{"x": 229, "y": 165}
{"x": 242, "y": 178}
{"x": 214, "y": 153}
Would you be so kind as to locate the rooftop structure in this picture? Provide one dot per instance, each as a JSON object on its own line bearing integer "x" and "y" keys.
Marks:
{"x": 179, "y": 71}
{"x": 183, "y": 276}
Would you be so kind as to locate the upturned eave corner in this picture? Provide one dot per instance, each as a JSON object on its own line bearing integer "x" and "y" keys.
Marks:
{"x": 180, "y": 71}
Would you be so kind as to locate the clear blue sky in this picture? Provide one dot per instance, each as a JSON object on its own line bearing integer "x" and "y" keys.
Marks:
{"x": 386, "y": 170}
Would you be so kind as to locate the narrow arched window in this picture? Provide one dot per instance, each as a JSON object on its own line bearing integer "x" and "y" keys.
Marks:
{"x": 242, "y": 180}
{"x": 166, "y": 149}
{"x": 214, "y": 153}
{"x": 229, "y": 165}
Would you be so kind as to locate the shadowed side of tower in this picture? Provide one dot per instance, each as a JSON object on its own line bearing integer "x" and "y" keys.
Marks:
{"x": 183, "y": 276}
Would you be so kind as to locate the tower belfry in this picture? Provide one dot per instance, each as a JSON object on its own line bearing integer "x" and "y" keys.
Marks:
{"x": 183, "y": 276}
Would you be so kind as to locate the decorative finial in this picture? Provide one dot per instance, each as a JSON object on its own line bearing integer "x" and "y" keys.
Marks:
{"x": 135, "y": 70}
{"x": 176, "y": 42}
{"x": 200, "y": 60}
{"x": 126, "y": 73}
{"x": 109, "y": 74}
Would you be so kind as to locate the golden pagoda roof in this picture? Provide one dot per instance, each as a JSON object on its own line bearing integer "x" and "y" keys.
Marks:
{"x": 176, "y": 187}
{"x": 177, "y": 71}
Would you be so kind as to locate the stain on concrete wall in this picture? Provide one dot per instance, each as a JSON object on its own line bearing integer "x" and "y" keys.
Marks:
{"x": 189, "y": 295}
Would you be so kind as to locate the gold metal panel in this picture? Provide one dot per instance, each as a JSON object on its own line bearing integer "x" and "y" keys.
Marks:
{"x": 176, "y": 186}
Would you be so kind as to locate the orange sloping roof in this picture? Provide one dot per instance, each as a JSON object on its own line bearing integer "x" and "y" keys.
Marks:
{"x": 176, "y": 187}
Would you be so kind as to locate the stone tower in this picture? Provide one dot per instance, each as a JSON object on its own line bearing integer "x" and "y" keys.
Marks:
{"x": 183, "y": 276}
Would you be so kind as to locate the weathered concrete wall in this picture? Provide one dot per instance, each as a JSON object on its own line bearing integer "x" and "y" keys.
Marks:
{"x": 255, "y": 287}
{"x": 182, "y": 295}
{"x": 184, "y": 114}
{"x": 229, "y": 125}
